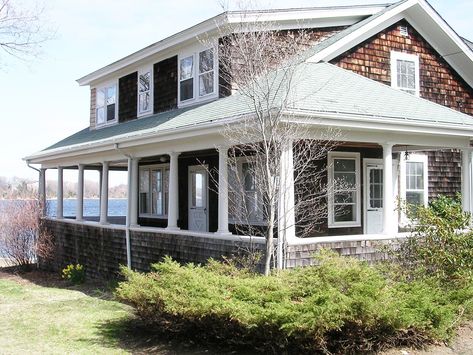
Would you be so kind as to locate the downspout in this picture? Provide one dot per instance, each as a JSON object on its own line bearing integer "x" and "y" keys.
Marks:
{"x": 128, "y": 213}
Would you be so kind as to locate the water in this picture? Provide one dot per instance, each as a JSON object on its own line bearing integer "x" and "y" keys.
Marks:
{"x": 116, "y": 207}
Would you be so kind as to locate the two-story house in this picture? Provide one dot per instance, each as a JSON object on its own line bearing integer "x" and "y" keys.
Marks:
{"x": 396, "y": 79}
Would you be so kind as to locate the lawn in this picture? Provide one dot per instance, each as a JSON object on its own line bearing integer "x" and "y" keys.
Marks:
{"x": 55, "y": 320}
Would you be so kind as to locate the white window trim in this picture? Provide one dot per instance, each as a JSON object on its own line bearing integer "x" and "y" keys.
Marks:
{"x": 150, "y": 111}
{"x": 395, "y": 56}
{"x": 100, "y": 87}
{"x": 418, "y": 158}
{"x": 163, "y": 167}
{"x": 344, "y": 155}
{"x": 239, "y": 162}
{"x": 194, "y": 52}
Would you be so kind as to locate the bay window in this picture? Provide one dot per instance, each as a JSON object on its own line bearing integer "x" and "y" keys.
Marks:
{"x": 344, "y": 189}
{"x": 154, "y": 191}
{"x": 105, "y": 103}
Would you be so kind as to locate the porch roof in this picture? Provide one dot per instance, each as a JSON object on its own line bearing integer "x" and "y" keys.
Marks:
{"x": 321, "y": 88}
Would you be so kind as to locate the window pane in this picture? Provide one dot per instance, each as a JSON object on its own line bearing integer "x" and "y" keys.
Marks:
{"x": 157, "y": 196}
{"x": 345, "y": 181}
{"x": 206, "y": 61}
{"x": 344, "y": 165}
{"x": 100, "y": 98}
{"x": 144, "y": 191}
{"x": 197, "y": 190}
{"x": 345, "y": 197}
{"x": 100, "y": 115}
{"x": 144, "y": 102}
{"x": 187, "y": 68}
{"x": 248, "y": 176}
{"x": 206, "y": 83}
{"x": 111, "y": 95}
{"x": 345, "y": 213}
{"x": 415, "y": 197}
{"x": 187, "y": 89}
{"x": 110, "y": 112}
{"x": 145, "y": 81}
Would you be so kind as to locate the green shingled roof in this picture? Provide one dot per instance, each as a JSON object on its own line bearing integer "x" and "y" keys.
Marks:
{"x": 321, "y": 88}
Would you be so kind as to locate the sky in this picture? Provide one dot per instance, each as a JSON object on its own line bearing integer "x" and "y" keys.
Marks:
{"x": 40, "y": 100}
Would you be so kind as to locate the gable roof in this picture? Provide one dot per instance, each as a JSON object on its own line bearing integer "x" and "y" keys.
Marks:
{"x": 323, "y": 90}
{"x": 423, "y": 17}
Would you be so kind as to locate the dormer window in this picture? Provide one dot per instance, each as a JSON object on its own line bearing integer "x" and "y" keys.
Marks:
{"x": 197, "y": 76}
{"x": 106, "y": 108}
{"x": 145, "y": 83}
{"x": 186, "y": 77}
{"x": 405, "y": 72}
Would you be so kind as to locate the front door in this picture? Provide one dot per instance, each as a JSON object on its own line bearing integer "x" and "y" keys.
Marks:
{"x": 198, "y": 199}
{"x": 373, "y": 197}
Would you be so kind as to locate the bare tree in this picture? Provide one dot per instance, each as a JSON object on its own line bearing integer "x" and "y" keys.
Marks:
{"x": 22, "y": 31}
{"x": 261, "y": 64}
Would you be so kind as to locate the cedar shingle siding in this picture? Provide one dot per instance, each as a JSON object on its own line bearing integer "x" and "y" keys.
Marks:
{"x": 127, "y": 97}
{"x": 438, "y": 83}
{"x": 165, "y": 85}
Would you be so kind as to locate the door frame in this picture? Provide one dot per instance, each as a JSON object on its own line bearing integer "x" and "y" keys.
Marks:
{"x": 190, "y": 169}
{"x": 366, "y": 162}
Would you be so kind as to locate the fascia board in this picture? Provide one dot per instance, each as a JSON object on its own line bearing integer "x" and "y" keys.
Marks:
{"x": 362, "y": 33}
{"x": 380, "y": 124}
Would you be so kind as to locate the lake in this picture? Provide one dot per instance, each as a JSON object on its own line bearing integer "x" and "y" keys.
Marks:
{"x": 116, "y": 207}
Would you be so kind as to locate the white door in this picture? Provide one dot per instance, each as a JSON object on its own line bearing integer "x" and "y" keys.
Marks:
{"x": 373, "y": 198}
{"x": 198, "y": 199}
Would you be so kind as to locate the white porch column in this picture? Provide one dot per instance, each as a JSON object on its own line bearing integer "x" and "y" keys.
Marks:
{"x": 80, "y": 194}
{"x": 286, "y": 215}
{"x": 389, "y": 215}
{"x": 104, "y": 194}
{"x": 42, "y": 190}
{"x": 173, "y": 208}
{"x": 466, "y": 180}
{"x": 223, "y": 191}
{"x": 134, "y": 192}
{"x": 60, "y": 194}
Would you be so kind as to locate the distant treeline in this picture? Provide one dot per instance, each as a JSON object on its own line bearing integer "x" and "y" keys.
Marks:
{"x": 20, "y": 188}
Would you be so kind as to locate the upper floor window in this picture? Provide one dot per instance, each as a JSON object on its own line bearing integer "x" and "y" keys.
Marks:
{"x": 145, "y": 91}
{"x": 106, "y": 107}
{"x": 405, "y": 72}
{"x": 197, "y": 77}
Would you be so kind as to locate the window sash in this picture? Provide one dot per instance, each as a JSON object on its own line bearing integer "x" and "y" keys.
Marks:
{"x": 144, "y": 91}
{"x": 154, "y": 191}
{"x": 105, "y": 105}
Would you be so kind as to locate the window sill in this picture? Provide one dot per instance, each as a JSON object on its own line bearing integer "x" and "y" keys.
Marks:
{"x": 345, "y": 225}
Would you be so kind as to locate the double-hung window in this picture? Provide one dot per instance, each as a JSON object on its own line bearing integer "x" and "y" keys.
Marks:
{"x": 405, "y": 72}
{"x": 197, "y": 76}
{"x": 344, "y": 190}
{"x": 245, "y": 199}
{"x": 154, "y": 191}
{"x": 145, "y": 92}
{"x": 106, "y": 99}
{"x": 414, "y": 179}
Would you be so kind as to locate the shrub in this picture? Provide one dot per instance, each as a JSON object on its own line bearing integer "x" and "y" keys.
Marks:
{"x": 439, "y": 243}
{"x": 74, "y": 273}
{"x": 22, "y": 238}
{"x": 341, "y": 306}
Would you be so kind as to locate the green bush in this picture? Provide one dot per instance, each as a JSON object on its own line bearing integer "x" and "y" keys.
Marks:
{"x": 440, "y": 243}
{"x": 74, "y": 273}
{"x": 341, "y": 306}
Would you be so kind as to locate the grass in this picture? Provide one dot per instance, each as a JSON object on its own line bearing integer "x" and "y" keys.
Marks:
{"x": 39, "y": 319}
